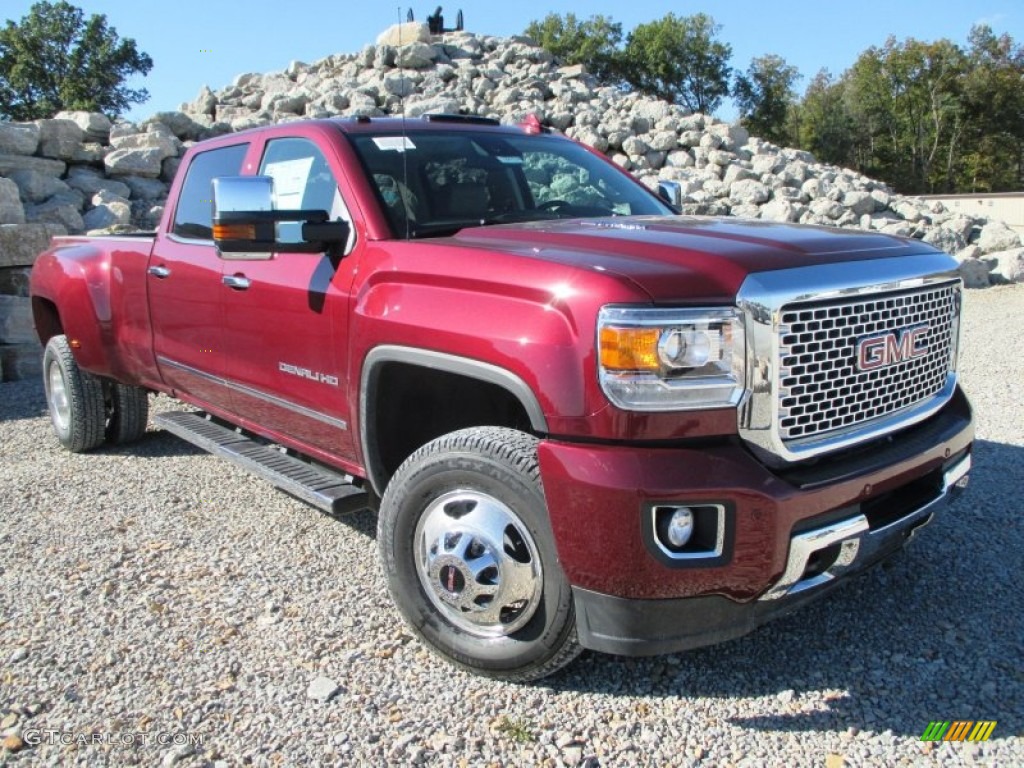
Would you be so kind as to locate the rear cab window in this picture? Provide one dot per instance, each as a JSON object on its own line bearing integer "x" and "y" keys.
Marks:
{"x": 193, "y": 216}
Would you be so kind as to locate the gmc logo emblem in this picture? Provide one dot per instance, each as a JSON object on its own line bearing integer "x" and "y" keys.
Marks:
{"x": 888, "y": 349}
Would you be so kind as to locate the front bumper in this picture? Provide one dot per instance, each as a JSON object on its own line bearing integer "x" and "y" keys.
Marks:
{"x": 791, "y": 534}
{"x": 648, "y": 627}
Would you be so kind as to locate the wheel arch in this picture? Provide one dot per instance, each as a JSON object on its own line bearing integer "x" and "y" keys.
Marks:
{"x": 47, "y": 320}
{"x": 514, "y": 403}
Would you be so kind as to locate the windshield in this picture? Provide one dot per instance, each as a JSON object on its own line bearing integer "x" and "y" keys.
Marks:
{"x": 434, "y": 184}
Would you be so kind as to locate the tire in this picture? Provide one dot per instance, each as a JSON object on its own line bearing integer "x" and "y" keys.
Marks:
{"x": 74, "y": 398}
{"x": 469, "y": 556}
{"x": 129, "y": 412}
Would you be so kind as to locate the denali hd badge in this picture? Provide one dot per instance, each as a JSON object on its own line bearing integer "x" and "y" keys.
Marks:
{"x": 305, "y": 373}
{"x": 888, "y": 349}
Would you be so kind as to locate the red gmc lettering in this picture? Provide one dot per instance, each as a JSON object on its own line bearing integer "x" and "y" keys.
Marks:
{"x": 888, "y": 349}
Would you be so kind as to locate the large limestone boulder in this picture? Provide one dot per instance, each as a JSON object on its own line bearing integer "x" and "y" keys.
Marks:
{"x": 404, "y": 34}
{"x": 18, "y": 138}
{"x": 145, "y": 189}
{"x": 180, "y": 124}
{"x": 95, "y": 125}
{"x": 204, "y": 103}
{"x": 1009, "y": 265}
{"x": 108, "y": 215}
{"x": 59, "y": 139}
{"x": 11, "y": 209}
{"x": 63, "y": 209}
{"x": 974, "y": 271}
{"x": 436, "y": 105}
{"x": 36, "y": 187}
{"x": 90, "y": 181}
{"x": 416, "y": 56}
{"x": 21, "y": 243}
{"x": 146, "y": 161}
{"x": 21, "y": 361}
{"x": 11, "y": 163}
{"x": 16, "y": 325}
{"x": 749, "y": 192}
{"x": 996, "y": 236}
{"x": 164, "y": 143}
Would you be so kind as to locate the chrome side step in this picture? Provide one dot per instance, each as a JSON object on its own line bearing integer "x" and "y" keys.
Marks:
{"x": 333, "y": 492}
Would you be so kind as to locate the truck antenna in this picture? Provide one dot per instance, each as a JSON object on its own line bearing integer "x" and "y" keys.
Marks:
{"x": 405, "y": 139}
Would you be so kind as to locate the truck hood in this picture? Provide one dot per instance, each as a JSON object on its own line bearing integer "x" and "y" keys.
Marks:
{"x": 679, "y": 257}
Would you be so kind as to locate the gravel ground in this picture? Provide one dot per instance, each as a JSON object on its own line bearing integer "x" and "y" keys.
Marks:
{"x": 161, "y": 607}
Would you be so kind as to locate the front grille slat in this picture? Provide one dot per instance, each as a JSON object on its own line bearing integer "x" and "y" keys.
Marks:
{"x": 821, "y": 391}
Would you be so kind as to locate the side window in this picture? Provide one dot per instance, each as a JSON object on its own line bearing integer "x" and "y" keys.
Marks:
{"x": 194, "y": 215}
{"x": 302, "y": 181}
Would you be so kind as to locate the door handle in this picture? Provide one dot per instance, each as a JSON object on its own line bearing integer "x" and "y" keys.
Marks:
{"x": 160, "y": 271}
{"x": 238, "y": 282}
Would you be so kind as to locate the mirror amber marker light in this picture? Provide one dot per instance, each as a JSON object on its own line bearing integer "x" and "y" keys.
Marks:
{"x": 234, "y": 231}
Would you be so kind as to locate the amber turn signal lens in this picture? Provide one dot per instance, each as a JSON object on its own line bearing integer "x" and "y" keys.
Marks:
{"x": 629, "y": 349}
{"x": 234, "y": 231}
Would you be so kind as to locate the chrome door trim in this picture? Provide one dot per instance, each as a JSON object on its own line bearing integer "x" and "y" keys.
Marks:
{"x": 256, "y": 393}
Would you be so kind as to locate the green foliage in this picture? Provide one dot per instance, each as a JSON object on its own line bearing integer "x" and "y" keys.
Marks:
{"x": 516, "y": 730}
{"x": 993, "y": 104}
{"x": 924, "y": 116}
{"x": 593, "y": 42}
{"x": 907, "y": 97}
{"x": 673, "y": 58}
{"x": 679, "y": 60}
{"x": 765, "y": 96}
{"x": 56, "y": 59}
{"x": 823, "y": 124}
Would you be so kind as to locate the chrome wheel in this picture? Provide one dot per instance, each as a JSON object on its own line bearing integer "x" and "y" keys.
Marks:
{"x": 478, "y": 563}
{"x": 60, "y": 407}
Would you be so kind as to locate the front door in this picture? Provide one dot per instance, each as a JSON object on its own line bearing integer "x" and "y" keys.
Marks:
{"x": 286, "y": 318}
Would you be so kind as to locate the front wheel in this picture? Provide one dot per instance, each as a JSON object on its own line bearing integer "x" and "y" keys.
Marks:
{"x": 468, "y": 552}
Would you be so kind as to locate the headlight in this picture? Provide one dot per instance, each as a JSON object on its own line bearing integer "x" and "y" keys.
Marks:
{"x": 671, "y": 359}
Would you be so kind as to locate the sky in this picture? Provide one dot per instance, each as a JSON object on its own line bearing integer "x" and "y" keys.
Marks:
{"x": 208, "y": 42}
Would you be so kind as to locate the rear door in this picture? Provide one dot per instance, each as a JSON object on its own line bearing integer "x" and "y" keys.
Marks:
{"x": 186, "y": 295}
{"x": 286, "y": 318}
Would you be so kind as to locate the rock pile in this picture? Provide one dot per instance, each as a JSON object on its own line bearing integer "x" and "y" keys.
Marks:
{"x": 80, "y": 173}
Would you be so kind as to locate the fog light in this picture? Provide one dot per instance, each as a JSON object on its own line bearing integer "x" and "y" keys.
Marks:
{"x": 680, "y": 527}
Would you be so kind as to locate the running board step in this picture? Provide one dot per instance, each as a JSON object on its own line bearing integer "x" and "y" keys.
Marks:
{"x": 333, "y": 492}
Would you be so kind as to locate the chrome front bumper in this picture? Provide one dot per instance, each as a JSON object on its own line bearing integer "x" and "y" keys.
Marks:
{"x": 848, "y": 543}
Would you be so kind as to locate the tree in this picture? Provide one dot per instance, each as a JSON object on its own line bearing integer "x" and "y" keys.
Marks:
{"x": 56, "y": 59}
{"x": 764, "y": 96}
{"x": 824, "y": 123}
{"x": 909, "y": 98}
{"x": 593, "y": 42}
{"x": 679, "y": 60}
{"x": 993, "y": 158}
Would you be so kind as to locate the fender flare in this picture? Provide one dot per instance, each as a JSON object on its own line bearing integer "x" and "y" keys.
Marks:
{"x": 441, "y": 361}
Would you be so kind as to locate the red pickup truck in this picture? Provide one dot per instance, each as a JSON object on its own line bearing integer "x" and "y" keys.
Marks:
{"x": 585, "y": 421}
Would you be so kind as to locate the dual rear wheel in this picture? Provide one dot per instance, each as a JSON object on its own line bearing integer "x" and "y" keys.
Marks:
{"x": 86, "y": 410}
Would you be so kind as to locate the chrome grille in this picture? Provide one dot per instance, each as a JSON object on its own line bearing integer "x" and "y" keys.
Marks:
{"x": 821, "y": 390}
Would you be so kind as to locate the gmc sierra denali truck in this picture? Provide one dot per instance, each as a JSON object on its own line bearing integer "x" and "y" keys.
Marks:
{"x": 584, "y": 421}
